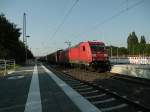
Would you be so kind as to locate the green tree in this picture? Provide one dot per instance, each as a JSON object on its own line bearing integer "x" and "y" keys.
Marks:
{"x": 129, "y": 43}
{"x": 112, "y": 50}
{"x": 147, "y": 50}
{"x": 129, "y": 40}
{"x": 143, "y": 41}
{"x": 132, "y": 42}
{"x": 11, "y": 47}
{"x": 123, "y": 51}
{"x": 134, "y": 38}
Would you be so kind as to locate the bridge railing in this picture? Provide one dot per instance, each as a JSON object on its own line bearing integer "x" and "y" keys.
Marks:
{"x": 6, "y": 65}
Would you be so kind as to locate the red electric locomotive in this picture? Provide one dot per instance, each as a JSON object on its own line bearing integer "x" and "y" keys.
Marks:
{"x": 92, "y": 55}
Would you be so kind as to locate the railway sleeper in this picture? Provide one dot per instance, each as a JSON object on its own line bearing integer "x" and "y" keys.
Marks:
{"x": 84, "y": 89}
{"x": 121, "y": 100}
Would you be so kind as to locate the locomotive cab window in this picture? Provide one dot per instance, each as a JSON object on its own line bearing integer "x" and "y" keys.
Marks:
{"x": 97, "y": 47}
{"x": 83, "y": 48}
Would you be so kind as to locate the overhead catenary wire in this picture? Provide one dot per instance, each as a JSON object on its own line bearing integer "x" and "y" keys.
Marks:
{"x": 111, "y": 18}
{"x": 64, "y": 19}
{"x": 127, "y": 8}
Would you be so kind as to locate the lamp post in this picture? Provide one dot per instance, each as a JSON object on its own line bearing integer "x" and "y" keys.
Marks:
{"x": 24, "y": 27}
{"x": 26, "y": 48}
{"x": 25, "y": 36}
{"x": 111, "y": 51}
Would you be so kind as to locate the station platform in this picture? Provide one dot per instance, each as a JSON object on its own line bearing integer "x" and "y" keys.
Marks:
{"x": 36, "y": 89}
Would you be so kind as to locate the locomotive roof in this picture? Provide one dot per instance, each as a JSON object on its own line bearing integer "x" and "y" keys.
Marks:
{"x": 95, "y": 42}
{"x": 90, "y": 42}
{"x": 77, "y": 45}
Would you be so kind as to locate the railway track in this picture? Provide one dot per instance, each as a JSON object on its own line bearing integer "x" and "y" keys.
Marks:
{"x": 103, "y": 98}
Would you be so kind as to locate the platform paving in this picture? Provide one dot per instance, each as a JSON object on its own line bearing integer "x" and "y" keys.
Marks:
{"x": 33, "y": 89}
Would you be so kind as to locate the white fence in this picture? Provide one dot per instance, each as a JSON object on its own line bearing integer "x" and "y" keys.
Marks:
{"x": 130, "y": 60}
{"x": 5, "y": 65}
{"x": 139, "y": 60}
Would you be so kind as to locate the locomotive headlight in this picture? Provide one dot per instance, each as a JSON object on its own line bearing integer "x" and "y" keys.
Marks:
{"x": 105, "y": 55}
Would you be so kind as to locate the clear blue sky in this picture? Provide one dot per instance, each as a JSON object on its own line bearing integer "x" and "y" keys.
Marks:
{"x": 44, "y": 16}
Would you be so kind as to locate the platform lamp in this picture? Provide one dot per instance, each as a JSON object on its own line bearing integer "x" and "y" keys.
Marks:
{"x": 26, "y": 47}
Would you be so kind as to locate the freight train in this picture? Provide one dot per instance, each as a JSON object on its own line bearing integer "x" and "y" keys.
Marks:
{"x": 91, "y": 55}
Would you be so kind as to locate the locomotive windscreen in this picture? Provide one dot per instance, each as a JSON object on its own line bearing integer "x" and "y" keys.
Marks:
{"x": 97, "y": 47}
